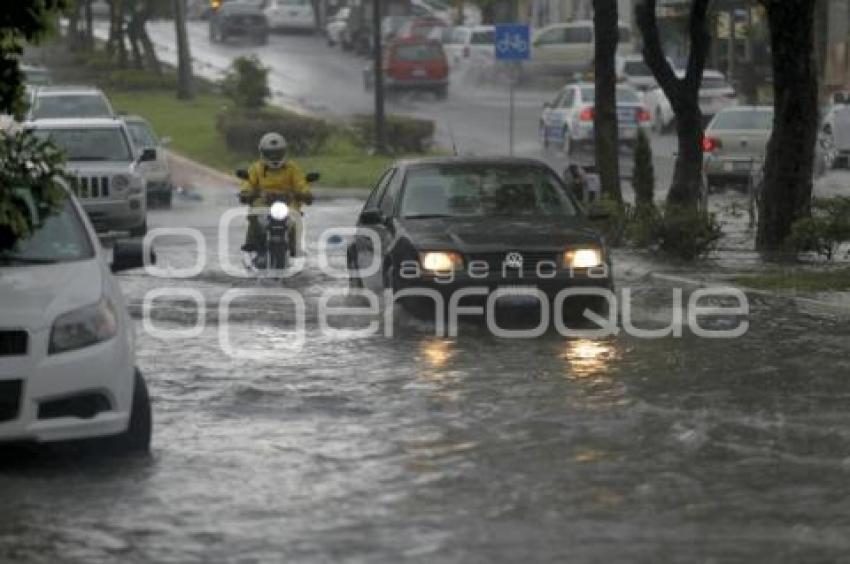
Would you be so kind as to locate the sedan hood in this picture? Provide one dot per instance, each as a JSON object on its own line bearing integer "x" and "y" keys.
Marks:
{"x": 499, "y": 234}
{"x": 31, "y": 297}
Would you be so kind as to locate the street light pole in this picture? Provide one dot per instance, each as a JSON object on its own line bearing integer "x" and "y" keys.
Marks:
{"x": 378, "y": 65}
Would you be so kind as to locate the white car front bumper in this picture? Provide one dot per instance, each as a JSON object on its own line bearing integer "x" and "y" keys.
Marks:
{"x": 56, "y": 392}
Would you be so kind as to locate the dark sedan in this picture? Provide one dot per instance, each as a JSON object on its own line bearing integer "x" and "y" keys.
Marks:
{"x": 239, "y": 18}
{"x": 452, "y": 224}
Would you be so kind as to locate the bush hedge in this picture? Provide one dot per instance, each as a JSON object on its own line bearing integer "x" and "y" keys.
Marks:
{"x": 242, "y": 130}
{"x": 405, "y": 135}
{"x": 131, "y": 79}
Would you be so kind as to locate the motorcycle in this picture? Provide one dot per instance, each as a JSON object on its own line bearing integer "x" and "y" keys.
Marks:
{"x": 275, "y": 246}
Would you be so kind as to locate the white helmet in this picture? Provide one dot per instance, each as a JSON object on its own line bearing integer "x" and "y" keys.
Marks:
{"x": 273, "y": 150}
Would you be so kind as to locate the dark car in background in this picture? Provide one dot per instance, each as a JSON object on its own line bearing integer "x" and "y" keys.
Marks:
{"x": 491, "y": 222}
{"x": 413, "y": 64}
{"x": 239, "y": 18}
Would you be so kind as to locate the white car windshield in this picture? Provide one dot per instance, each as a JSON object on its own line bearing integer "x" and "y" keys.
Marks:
{"x": 89, "y": 144}
{"x": 483, "y": 191}
{"x": 54, "y": 237}
{"x": 71, "y": 106}
{"x": 624, "y": 95}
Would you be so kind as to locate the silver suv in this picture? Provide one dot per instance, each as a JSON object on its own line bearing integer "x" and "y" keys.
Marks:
{"x": 101, "y": 159}
{"x": 56, "y": 102}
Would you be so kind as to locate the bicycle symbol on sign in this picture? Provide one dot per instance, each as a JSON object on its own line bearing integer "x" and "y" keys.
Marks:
{"x": 512, "y": 42}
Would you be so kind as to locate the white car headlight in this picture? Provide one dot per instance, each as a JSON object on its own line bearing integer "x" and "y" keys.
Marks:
{"x": 83, "y": 327}
{"x": 437, "y": 261}
{"x": 583, "y": 258}
{"x": 279, "y": 211}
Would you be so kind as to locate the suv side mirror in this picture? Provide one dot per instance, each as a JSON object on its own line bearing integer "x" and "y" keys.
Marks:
{"x": 148, "y": 155}
{"x": 127, "y": 255}
{"x": 371, "y": 217}
{"x": 165, "y": 141}
{"x": 241, "y": 173}
{"x": 313, "y": 177}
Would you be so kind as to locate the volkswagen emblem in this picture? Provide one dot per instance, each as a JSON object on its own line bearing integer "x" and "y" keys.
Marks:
{"x": 513, "y": 260}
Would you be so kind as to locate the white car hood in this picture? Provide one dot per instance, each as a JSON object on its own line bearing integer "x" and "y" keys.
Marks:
{"x": 31, "y": 297}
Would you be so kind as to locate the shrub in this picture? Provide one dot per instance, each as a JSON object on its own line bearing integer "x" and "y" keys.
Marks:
{"x": 242, "y": 130}
{"x": 826, "y": 230}
{"x": 643, "y": 177}
{"x": 685, "y": 233}
{"x": 134, "y": 79}
{"x": 247, "y": 83}
{"x": 405, "y": 135}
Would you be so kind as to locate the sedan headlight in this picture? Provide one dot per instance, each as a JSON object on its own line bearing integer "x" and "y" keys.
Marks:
{"x": 583, "y": 258}
{"x": 83, "y": 327}
{"x": 441, "y": 261}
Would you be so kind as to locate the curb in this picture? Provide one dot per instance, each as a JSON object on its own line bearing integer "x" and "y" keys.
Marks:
{"x": 319, "y": 192}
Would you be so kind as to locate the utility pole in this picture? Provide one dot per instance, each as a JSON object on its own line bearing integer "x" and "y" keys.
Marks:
{"x": 378, "y": 64}
{"x": 184, "y": 57}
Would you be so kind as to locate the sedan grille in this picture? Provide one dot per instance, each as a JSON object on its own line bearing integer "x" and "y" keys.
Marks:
{"x": 91, "y": 187}
{"x": 10, "y": 399}
{"x": 13, "y": 343}
{"x": 507, "y": 263}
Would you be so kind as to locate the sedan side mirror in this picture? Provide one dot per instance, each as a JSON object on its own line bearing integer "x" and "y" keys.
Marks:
{"x": 241, "y": 173}
{"x": 127, "y": 255}
{"x": 148, "y": 155}
{"x": 371, "y": 217}
{"x": 313, "y": 177}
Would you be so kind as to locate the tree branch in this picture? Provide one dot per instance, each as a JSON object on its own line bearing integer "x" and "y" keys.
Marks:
{"x": 700, "y": 42}
{"x": 653, "y": 53}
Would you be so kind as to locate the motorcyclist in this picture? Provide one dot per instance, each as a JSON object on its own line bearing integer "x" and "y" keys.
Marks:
{"x": 273, "y": 175}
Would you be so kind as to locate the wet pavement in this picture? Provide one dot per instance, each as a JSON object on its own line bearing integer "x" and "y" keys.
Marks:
{"x": 474, "y": 449}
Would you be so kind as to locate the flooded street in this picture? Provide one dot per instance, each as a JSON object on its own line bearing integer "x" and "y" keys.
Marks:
{"x": 473, "y": 449}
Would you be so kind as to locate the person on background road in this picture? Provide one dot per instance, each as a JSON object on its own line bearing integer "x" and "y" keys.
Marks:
{"x": 272, "y": 174}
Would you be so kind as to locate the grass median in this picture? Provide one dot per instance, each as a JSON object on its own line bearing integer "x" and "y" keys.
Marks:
{"x": 191, "y": 127}
{"x": 800, "y": 281}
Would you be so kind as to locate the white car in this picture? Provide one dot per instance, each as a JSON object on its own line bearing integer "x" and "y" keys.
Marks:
{"x": 636, "y": 73}
{"x": 446, "y": 11}
{"x": 467, "y": 45}
{"x": 290, "y": 14}
{"x": 735, "y": 143}
{"x": 67, "y": 356}
{"x": 715, "y": 94}
{"x": 570, "y": 47}
{"x": 336, "y": 25}
{"x": 53, "y": 102}
{"x": 568, "y": 120}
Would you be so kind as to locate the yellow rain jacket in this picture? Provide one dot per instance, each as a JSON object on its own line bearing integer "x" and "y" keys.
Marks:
{"x": 288, "y": 179}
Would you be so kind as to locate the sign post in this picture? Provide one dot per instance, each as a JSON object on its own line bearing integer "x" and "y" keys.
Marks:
{"x": 513, "y": 45}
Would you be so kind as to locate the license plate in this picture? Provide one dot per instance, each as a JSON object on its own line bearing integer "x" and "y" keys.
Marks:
{"x": 742, "y": 167}
{"x": 419, "y": 73}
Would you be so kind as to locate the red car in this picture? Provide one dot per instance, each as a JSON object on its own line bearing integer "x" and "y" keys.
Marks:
{"x": 414, "y": 64}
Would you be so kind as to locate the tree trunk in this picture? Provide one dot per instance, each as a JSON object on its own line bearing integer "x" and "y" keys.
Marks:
{"x": 606, "y": 144}
{"x": 683, "y": 95}
{"x": 789, "y": 164}
{"x": 110, "y": 41}
{"x": 133, "y": 36}
{"x": 89, "y": 25}
{"x": 151, "y": 60}
{"x": 75, "y": 40}
{"x": 184, "y": 57}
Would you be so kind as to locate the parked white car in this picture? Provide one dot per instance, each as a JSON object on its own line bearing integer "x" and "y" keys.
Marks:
{"x": 157, "y": 173}
{"x": 735, "y": 143}
{"x": 467, "y": 45}
{"x": 67, "y": 357}
{"x": 53, "y": 102}
{"x": 715, "y": 94}
{"x": 567, "y": 121}
{"x": 636, "y": 73}
{"x": 569, "y": 47}
{"x": 290, "y": 14}
{"x": 447, "y": 11}
{"x": 105, "y": 168}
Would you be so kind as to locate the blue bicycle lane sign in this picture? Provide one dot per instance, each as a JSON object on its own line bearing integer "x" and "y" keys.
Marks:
{"x": 513, "y": 42}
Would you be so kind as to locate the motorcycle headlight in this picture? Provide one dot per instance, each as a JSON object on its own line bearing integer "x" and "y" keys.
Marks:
{"x": 83, "y": 327}
{"x": 439, "y": 261}
{"x": 279, "y": 211}
{"x": 583, "y": 258}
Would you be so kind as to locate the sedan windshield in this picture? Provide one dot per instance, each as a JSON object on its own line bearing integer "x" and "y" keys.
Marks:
{"x": 484, "y": 191}
{"x": 624, "y": 95}
{"x": 54, "y": 237}
{"x": 89, "y": 144}
{"x": 71, "y": 106}
{"x": 744, "y": 120}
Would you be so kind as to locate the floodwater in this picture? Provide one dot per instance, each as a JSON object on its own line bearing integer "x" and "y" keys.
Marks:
{"x": 474, "y": 449}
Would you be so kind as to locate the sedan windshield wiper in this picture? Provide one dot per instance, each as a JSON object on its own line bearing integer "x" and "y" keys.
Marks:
{"x": 12, "y": 259}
